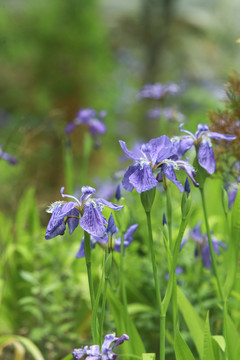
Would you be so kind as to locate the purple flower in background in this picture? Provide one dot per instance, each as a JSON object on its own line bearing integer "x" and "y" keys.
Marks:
{"x": 158, "y": 90}
{"x": 157, "y": 155}
{"x": 9, "y": 158}
{"x": 232, "y": 190}
{"x": 178, "y": 271}
{"x": 90, "y": 118}
{"x": 116, "y": 240}
{"x": 202, "y": 141}
{"x": 90, "y": 209}
{"x": 203, "y": 245}
{"x": 93, "y": 352}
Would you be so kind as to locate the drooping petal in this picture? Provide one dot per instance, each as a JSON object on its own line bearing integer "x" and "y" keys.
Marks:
{"x": 182, "y": 145}
{"x": 170, "y": 174}
{"x": 93, "y": 220}
{"x": 73, "y": 220}
{"x": 120, "y": 340}
{"x": 206, "y": 157}
{"x": 142, "y": 178}
{"x": 218, "y": 136}
{"x": 109, "y": 204}
{"x": 189, "y": 170}
{"x": 161, "y": 148}
{"x": 56, "y": 225}
{"x": 81, "y": 252}
{"x": 133, "y": 155}
{"x": 126, "y": 183}
{"x": 97, "y": 127}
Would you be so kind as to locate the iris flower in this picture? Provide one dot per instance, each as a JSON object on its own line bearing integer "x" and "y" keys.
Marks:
{"x": 89, "y": 208}
{"x": 103, "y": 241}
{"x": 91, "y": 119}
{"x": 9, "y": 158}
{"x": 203, "y": 245}
{"x": 202, "y": 141}
{"x": 158, "y": 155}
{"x": 157, "y": 91}
{"x": 93, "y": 352}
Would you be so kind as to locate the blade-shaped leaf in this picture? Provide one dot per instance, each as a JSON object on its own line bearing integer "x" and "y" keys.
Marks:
{"x": 182, "y": 350}
{"x": 208, "y": 353}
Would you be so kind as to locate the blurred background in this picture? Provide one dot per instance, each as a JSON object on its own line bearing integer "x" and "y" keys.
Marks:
{"x": 57, "y": 57}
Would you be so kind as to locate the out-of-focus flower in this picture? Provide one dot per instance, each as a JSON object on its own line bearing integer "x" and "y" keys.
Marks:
{"x": 158, "y": 90}
{"x": 178, "y": 271}
{"x": 168, "y": 113}
{"x": 90, "y": 209}
{"x": 202, "y": 142}
{"x": 116, "y": 240}
{"x": 232, "y": 190}
{"x": 90, "y": 118}
{"x": 202, "y": 243}
{"x": 9, "y": 158}
{"x": 157, "y": 155}
{"x": 93, "y": 352}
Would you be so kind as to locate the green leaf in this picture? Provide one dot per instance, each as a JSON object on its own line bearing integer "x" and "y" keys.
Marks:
{"x": 219, "y": 339}
{"x": 233, "y": 246}
{"x": 194, "y": 323}
{"x": 68, "y": 357}
{"x": 182, "y": 350}
{"x": 208, "y": 353}
{"x": 232, "y": 340}
{"x": 148, "y": 356}
{"x": 134, "y": 345}
{"x": 30, "y": 347}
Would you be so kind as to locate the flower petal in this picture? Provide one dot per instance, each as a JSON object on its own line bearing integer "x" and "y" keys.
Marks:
{"x": 111, "y": 228}
{"x": 73, "y": 220}
{"x": 130, "y": 231}
{"x": 161, "y": 148}
{"x": 56, "y": 225}
{"x": 133, "y": 155}
{"x": 170, "y": 174}
{"x": 108, "y": 204}
{"x": 218, "y": 136}
{"x": 206, "y": 157}
{"x": 126, "y": 183}
{"x": 86, "y": 192}
{"x": 109, "y": 338}
{"x": 97, "y": 127}
{"x": 142, "y": 178}
{"x": 93, "y": 220}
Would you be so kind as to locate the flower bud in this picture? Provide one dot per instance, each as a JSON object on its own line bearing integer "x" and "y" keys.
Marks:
{"x": 186, "y": 200}
{"x": 147, "y": 198}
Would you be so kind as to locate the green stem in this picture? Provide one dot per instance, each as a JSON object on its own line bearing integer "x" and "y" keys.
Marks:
{"x": 169, "y": 216}
{"x": 157, "y": 287}
{"x": 103, "y": 306}
{"x": 225, "y": 313}
{"x": 123, "y": 288}
{"x": 87, "y": 250}
{"x": 214, "y": 263}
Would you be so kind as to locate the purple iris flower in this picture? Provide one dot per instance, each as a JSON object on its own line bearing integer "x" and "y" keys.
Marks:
{"x": 232, "y": 190}
{"x": 103, "y": 241}
{"x": 90, "y": 209}
{"x": 158, "y": 90}
{"x": 202, "y": 141}
{"x": 9, "y": 158}
{"x": 93, "y": 352}
{"x": 203, "y": 245}
{"x": 91, "y": 119}
{"x": 157, "y": 155}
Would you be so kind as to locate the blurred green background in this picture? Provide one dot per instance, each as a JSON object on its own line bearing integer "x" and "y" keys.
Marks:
{"x": 55, "y": 58}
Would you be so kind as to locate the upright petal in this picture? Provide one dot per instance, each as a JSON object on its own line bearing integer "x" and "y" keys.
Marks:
{"x": 93, "y": 220}
{"x": 109, "y": 338}
{"x": 111, "y": 228}
{"x": 133, "y": 155}
{"x": 206, "y": 157}
{"x": 87, "y": 191}
{"x": 143, "y": 179}
{"x": 128, "y": 234}
{"x": 206, "y": 257}
{"x": 161, "y": 149}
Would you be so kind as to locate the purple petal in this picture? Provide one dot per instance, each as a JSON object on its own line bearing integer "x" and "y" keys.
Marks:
{"x": 133, "y": 155}
{"x": 187, "y": 132}
{"x": 120, "y": 340}
{"x": 81, "y": 252}
{"x": 70, "y": 127}
{"x": 109, "y": 338}
{"x": 128, "y": 234}
{"x": 202, "y": 128}
{"x": 206, "y": 257}
{"x": 109, "y": 204}
{"x": 143, "y": 179}
{"x": 206, "y": 157}
{"x": 93, "y": 220}
{"x": 218, "y": 136}
{"x": 126, "y": 183}
{"x": 97, "y": 127}
{"x": 183, "y": 242}
{"x": 196, "y": 234}
{"x": 56, "y": 225}
{"x": 86, "y": 192}
{"x": 170, "y": 174}
{"x": 66, "y": 209}
{"x": 161, "y": 148}
{"x": 182, "y": 145}
{"x": 73, "y": 222}
{"x": 84, "y": 115}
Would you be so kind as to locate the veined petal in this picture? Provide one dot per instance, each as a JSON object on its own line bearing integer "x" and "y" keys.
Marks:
{"x": 160, "y": 148}
{"x": 93, "y": 220}
{"x": 56, "y": 225}
{"x": 142, "y": 178}
{"x": 170, "y": 174}
{"x": 131, "y": 154}
{"x": 182, "y": 145}
{"x": 66, "y": 209}
{"x": 218, "y": 136}
{"x": 73, "y": 220}
{"x": 206, "y": 157}
{"x": 126, "y": 183}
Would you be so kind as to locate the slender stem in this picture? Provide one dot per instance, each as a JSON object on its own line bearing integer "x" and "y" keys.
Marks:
{"x": 157, "y": 287}
{"x": 169, "y": 216}
{"x": 123, "y": 288}
{"x": 225, "y": 313}
{"x": 214, "y": 263}
{"x": 103, "y": 302}
{"x": 87, "y": 250}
